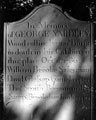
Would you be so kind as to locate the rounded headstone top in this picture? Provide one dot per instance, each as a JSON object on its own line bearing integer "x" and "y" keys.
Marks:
{"x": 51, "y": 9}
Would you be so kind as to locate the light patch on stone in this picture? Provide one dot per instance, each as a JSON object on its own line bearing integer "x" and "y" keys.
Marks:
{"x": 72, "y": 65}
{"x": 67, "y": 110}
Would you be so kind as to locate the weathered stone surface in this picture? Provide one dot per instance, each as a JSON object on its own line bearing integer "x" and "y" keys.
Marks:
{"x": 25, "y": 50}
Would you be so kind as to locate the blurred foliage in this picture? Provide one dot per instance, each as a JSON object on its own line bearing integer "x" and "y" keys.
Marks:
{"x": 16, "y": 9}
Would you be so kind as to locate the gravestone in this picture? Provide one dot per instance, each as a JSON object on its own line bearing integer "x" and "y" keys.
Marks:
{"x": 23, "y": 43}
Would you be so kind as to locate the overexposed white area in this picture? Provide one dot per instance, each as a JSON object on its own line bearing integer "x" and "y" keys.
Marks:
{"x": 67, "y": 110}
{"x": 23, "y": 107}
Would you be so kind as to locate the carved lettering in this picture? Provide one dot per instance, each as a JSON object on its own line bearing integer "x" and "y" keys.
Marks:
{"x": 45, "y": 57}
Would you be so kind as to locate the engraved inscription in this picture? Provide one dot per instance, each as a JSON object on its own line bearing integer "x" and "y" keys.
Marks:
{"x": 46, "y": 56}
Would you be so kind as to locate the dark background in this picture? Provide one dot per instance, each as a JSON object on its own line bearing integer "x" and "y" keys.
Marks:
{"x": 13, "y": 10}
